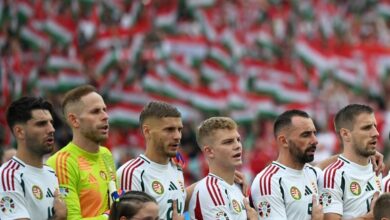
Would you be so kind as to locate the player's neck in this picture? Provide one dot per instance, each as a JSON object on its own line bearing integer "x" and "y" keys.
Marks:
{"x": 288, "y": 161}
{"x": 85, "y": 143}
{"x": 350, "y": 155}
{"x": 155, "y": 157}
{"x": 225, "y": 174}
{"x": 29, "y": 158}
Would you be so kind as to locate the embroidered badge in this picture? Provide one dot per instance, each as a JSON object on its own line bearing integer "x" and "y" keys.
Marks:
{"x": 295, "y": 193}
{"x": 64, "y": 191}
{"x": 103, "y": 175}
{"x": 7, "y": 205}
{"x": 325, "y": 199}
{"x": 221, "y": 216}
{"x": 157, "y": 187}
{"x": 37, "y": 192}
{"x": 236, "y": 206}
{"x": 378, "y": 183}
{"x": 181, "y": 185}
{"x": 264, "y": 209}
{"x": 355, "y": 188}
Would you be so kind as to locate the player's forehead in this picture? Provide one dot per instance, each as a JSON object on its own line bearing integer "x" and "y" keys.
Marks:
{"x": 302, "y": 124}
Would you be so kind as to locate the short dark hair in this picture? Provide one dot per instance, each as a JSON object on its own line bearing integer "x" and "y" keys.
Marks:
{"x": 156, "y": 109}
{"x": 19, "y": 110}
{"x": 345, "y": 118}
{"x": 285, "y": 119}
{"x": 129, "y": 204}
{"x": 381, "y": 208}
{"x": 74, "y": 95}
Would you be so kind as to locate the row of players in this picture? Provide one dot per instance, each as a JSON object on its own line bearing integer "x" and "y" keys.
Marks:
{"x": 80, "y": 179}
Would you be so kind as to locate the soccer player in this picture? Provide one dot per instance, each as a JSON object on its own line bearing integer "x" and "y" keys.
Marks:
{"x": 381, "y": 208}
{"x": 217, "y": 196}
{"x": 348, "y": 185}
{"x": 154, "y": 172}
{"x": 28, "y": 188}
{"x": 287, "y": 188}
{"x": 84, "y": 168}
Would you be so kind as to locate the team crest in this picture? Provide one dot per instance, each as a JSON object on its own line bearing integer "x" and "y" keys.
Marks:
{"x": 7, "y": 205}
{"x": 295, "y": 193}
{"x": 157, "y": 187}
{"x": 221, "y": 215}
{"x": 103, "y": 175}
{"x": 264, "y": 209}
{"x": 355, "y": 188}
{"x": 236, "y": 206}
{"x": 37, "y": 192}
{"x": 325, "y": 199}
{"x": 181, "y": 185}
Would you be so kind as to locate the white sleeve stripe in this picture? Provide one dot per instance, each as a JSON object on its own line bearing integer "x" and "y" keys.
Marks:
{"x": 127, "y": 174}
{"x": 330, "y": 174}
{"x": 265, "y": 180}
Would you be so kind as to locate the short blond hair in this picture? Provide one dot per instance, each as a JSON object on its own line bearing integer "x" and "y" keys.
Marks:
{"x": 209, "y": 126}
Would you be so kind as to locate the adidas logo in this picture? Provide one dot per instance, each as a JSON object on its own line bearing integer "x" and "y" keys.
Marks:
{"x": 308, "y": 191}
{"x": 172, "y": 186}
{"x": 49, "y": 194}
{"x": 369, "y": 187}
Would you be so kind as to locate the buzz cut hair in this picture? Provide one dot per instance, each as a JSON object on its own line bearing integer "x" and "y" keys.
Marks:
{"x": 75, "y": 95}
{"x": 207, "y": 128}
{"x": 285, "y": 119}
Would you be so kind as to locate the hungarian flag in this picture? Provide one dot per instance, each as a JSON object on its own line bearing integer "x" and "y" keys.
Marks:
{"x": 124, "y": 114}
{"x": 188, "y": 46}
{"x": 70, "y": 79}
{"x": 34, "y": 37}
{"x": 221, "y": 55}
{"x": 180, "y": 68}
{"x": 166, "y": 15}
{"x": 207, "y": 100}
{"x": 61, "y": 29}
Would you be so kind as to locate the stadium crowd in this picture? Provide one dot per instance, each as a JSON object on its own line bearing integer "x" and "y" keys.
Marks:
{"x": 247, "y": 59}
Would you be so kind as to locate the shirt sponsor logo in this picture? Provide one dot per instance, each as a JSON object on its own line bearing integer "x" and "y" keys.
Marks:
{"x": 295, "y": 193}
{"x": 157, "y": 187}
{"x": 264, "y": 209}
{"x": 325, "y": 199}
{"x": 37, "y": 192}
{"x": 355, "y": 188}
{"x": 236, "y": 206}
{"x": 7, "y": 205}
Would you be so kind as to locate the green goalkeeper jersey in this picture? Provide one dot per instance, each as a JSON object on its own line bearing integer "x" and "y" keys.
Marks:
{"x": 84, "y": 180}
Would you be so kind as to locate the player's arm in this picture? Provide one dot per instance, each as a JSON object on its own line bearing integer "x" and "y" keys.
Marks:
{"x": 331, "y": 193}
{"x": 127, "y": 180}
{"x": 12, "y": 199}
{"x": 268, "y": 197}
{"x": 189, "y": 191}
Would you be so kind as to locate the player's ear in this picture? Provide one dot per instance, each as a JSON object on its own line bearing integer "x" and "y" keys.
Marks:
{"x": 18, "y": 131}
{"x": 208, "y": 151}
{"x": 146, "y": 130}
{"x": 282, "y": 140}
{"x": 345, "y": 134}
{"x": 73, "y": 120}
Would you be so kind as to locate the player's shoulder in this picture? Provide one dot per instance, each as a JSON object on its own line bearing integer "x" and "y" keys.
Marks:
{"x": 134, "y": 165}
{"x": 13, "y": 165}
{"x": 104, "y": 150}
{"x": 312, "y": 170}
{"x": 340, "y": 165}
{"x": 271, "y": 171}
